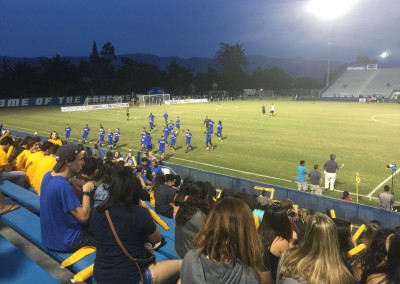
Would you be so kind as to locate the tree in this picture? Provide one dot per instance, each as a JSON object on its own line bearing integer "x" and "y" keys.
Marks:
{"x": 232, "y": 62}
{"x": 179, "y": 77}
{"x": 107, "y": 52}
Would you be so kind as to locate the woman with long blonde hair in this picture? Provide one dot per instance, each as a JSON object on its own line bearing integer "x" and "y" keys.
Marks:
{"x": 227, "y": 249}
{"x": 317, "y": 259}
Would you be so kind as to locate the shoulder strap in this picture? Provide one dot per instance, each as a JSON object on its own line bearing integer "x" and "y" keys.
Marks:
{"x": 122, "y": 246}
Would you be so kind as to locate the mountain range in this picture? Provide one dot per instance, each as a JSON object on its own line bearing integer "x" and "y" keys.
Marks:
{"x": 295, "y": 67}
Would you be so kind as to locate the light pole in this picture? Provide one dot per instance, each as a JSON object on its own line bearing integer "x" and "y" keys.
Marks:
{"x": 329, "y": 52}
{"x": 329, "y": 10}
{"x": 384, "y": 55}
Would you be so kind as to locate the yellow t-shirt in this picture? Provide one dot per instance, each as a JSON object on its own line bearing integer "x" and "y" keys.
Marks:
{"x": 56, "y": 141}
{"x": 44, "y": 165}
{"x": 31, "y": 164}
{"x": 10, "y": 150}
{"x": 3, "y": 159}
{"x": 21, "y": 160}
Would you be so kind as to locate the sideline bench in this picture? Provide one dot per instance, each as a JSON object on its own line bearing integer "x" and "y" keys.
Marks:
{"x": 18, "y": 268}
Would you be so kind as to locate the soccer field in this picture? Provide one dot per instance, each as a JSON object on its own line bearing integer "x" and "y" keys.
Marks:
{"x": 265, "y": 149}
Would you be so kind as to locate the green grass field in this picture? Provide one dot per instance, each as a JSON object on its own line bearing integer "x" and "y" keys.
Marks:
{"x": 363, "y": 136}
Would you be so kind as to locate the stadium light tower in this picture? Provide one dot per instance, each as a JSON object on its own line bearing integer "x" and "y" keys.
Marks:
{"x": 384, "y": 55}
{"x": 329, "y": 10}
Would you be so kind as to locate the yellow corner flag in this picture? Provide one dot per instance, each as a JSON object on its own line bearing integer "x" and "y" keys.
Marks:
{"x": 357, "y": 182}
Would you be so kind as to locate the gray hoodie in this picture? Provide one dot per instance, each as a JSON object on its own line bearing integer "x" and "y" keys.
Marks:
{"x": 200, "y": 270}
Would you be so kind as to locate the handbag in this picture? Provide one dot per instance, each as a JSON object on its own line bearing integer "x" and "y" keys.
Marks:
{"x": 150, "y": 259}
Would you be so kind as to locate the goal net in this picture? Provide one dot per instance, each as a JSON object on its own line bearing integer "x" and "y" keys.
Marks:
{"x": 147, "y": 100}
{"x": 104, "y": 102}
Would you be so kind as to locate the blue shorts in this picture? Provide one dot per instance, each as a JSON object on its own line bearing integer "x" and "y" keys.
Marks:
{"x": 147, "y": 277}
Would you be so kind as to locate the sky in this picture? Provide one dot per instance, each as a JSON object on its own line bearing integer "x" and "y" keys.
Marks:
{"x": 195, "y": 28}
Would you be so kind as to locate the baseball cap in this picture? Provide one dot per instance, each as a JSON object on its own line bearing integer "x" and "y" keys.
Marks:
{"x": 65, "y": 153}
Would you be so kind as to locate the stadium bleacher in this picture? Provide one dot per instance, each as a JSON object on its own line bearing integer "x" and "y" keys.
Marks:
{"x": 354, "y": 82}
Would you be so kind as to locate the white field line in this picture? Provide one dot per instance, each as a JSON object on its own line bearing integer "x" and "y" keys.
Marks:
{"x": 382, "y": 183}
{"x": 373, "y": 118}
{"x": 229, "y": 169}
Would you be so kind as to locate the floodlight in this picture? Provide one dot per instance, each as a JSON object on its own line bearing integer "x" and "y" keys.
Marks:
{"x": 330, "y": 9}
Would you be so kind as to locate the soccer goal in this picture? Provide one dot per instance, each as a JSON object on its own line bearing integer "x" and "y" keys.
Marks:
{"x": 146, "y": 100}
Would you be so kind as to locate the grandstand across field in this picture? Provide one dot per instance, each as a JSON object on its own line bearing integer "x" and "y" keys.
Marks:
{"x": 368, "y": 81}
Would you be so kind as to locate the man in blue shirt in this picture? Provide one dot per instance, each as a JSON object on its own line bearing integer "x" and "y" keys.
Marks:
{"x": 166, "y": 117}
{"x": 209, "y": 144}
{"x": 67, "y": 132}
{"x": 166, "y": 131}
{"x": 178, "y": 125}
{"x": 117, "y": 135}
{"x": 302, "y": 176}
{"x": 110, "y": 137}
{"x": 211, "y": 127}
{"x": 188, "y": 140}
{"x": 219, "y": 130}
{"x": 161, "y": 147}
{"x": 85, "y": 133}
{"x": 61, "y": 212}
{"x": 102, "y": 132}
{"x": 173, "y": 140}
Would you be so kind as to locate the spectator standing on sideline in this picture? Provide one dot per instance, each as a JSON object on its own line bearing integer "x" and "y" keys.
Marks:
{"x": 302, "y": 176}
{"x": 386, "y": 199}
{"x": 330, "y": 167}
{"x": 315, "y": 178}
{"x": 61, "y": 212}
{"x": 67, "y": 132}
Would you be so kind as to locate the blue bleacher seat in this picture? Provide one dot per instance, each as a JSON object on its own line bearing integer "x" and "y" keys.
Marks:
{"x": 17, "y": 268}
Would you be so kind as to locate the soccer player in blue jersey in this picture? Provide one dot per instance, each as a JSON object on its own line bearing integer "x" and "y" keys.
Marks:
{"x": 178, "y": 125}
{"x": 85, "y": 133}
{"x": 188, "y": 139}
{"x": 148, "y": 143}
{"x": 208, "y": 135}
{"x": 166, "y": 131}
{"x": 102, "y": 133}
{"x": 219, "y": 130}
{"x": 173, "y": 140}
{"x": 67, "y": 132}
{"x": 151, "y": 122}
{"x": 166, "y": 117}
{"x": 143, "y": 138}
{"x": 161, "y": 147}
{"x": 171, "y": 125}
{"x": 117, "y": 135}
{"x": 110, "y": 137}
{"x": 211, "y": 127}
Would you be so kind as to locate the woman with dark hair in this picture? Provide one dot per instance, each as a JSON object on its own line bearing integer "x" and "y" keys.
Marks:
{"x": 190, "y": 217}
{"x": 134, "y": 227}
{"x": 375, "y": 255}
{"x": 102, "y": 191}
{"x": 388, "y": 271}
{"x": 276, "y": 234}
{"x": 227, "y": 249}
{"x": 55, "y": 139}
{"x": 344, "y": 237}
{"x": 372, "y": 230}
